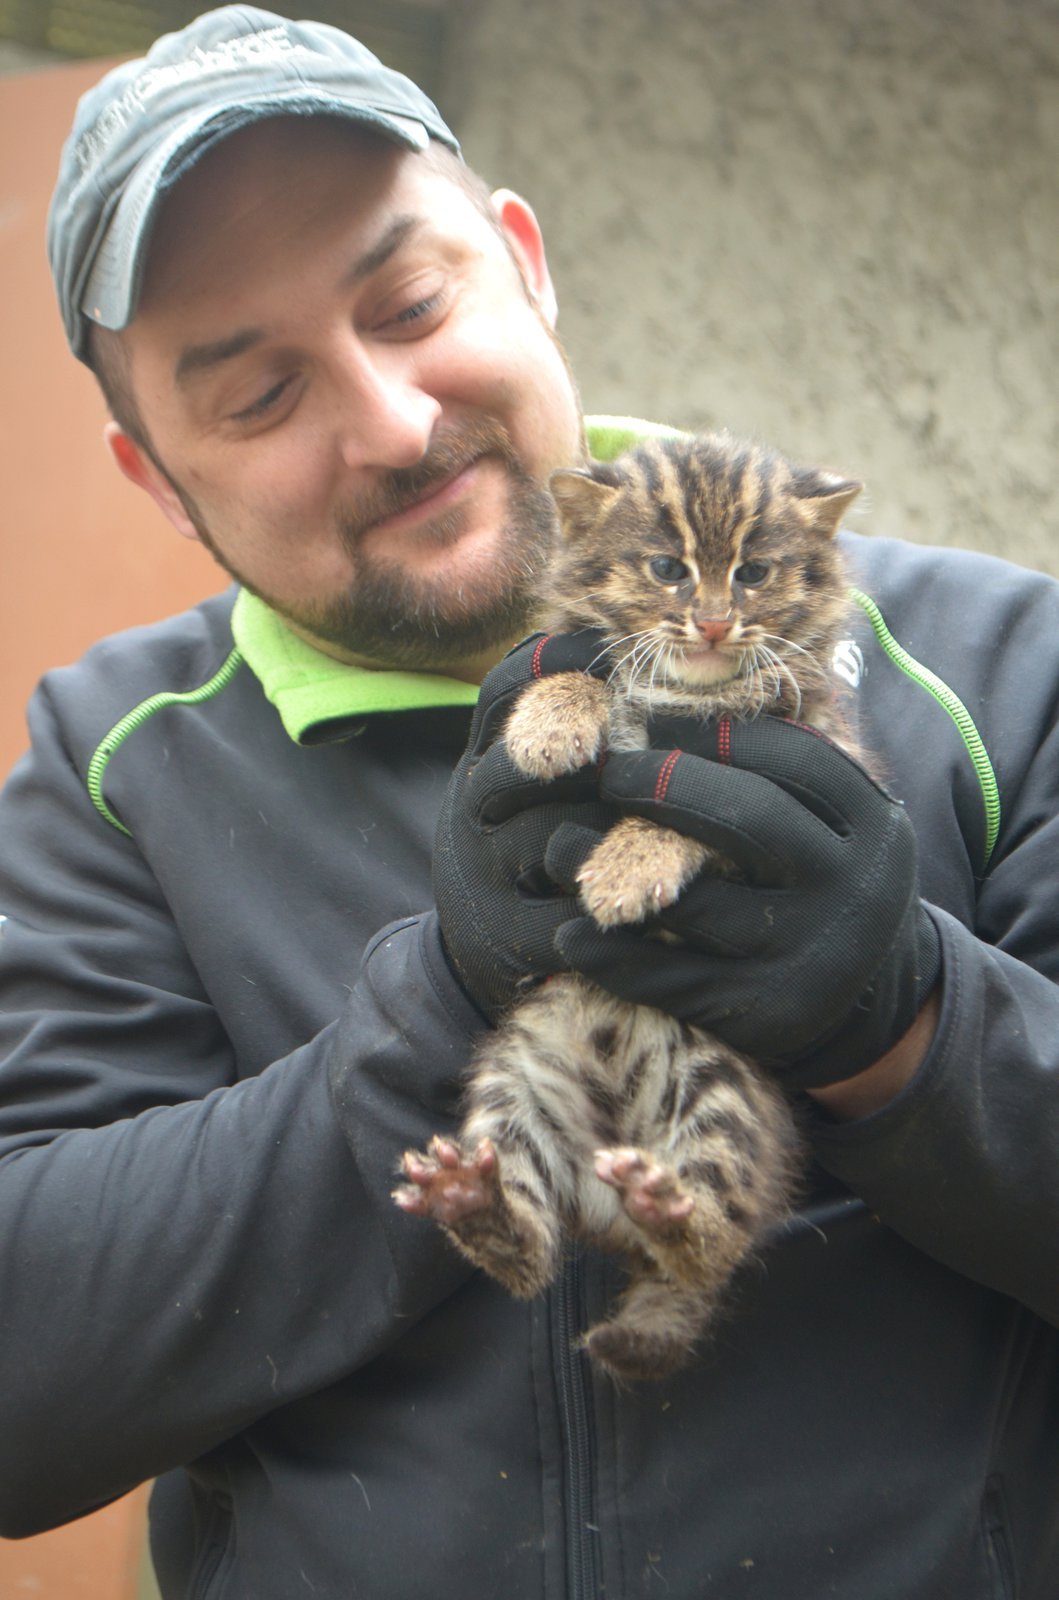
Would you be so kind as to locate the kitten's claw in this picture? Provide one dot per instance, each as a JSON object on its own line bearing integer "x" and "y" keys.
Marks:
{"x": 632, "y": 905}
{"x": 445, "y": 1185}
{"x": 552, "y": 759}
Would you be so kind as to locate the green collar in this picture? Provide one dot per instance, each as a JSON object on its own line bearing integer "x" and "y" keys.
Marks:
{"x": 318, "y": 698}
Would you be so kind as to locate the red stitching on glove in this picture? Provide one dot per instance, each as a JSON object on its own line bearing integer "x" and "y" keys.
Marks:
{"x": 535, "y": 664}
{"x": 666, "y": 772}
{"x": 724, "y": 741}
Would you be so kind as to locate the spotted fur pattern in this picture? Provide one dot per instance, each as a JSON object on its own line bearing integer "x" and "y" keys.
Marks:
{"x": 710, "y": 566}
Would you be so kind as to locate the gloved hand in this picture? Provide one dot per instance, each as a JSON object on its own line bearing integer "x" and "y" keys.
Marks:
{"x": 497, "y": 910}
{"x": 820, "y": 959}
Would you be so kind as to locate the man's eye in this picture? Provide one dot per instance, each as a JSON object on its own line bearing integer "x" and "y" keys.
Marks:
{"x": 258, "y": 408}
{"x": 425, "y": 310}
{"x": 420, "y": 309}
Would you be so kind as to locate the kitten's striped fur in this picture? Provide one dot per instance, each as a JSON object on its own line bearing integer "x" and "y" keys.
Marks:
{"x": 711, "y": 568}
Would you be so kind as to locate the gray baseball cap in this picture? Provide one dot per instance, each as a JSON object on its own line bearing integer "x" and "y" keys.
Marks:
{"x": 141, "y": 128}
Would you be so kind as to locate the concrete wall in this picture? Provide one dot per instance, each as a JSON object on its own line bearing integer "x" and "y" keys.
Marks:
{"x": 832, "y": 224}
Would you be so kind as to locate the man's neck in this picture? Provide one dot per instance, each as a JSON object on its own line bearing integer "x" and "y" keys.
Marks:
{"x": 465, "y": 669}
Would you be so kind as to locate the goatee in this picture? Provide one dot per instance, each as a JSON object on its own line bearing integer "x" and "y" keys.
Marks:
{"x": 401, "y": 618}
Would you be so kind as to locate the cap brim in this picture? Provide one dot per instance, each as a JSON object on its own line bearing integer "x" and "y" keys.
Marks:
{"x": 112, "y": 286}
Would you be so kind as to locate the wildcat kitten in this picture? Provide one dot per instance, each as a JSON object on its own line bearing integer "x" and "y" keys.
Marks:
{"x": 711, "y": 568}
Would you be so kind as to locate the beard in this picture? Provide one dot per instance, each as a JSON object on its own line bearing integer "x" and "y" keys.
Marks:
{"x": 405, "y": 619}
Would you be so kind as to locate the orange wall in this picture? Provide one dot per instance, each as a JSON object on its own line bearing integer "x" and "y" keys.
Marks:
{"x": 82, "y": 553}
{"x": 98, "y": 1558}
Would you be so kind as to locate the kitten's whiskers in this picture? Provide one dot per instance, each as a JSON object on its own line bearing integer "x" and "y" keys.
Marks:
{"x": 632, "y": 654}
{"x": 779, "y": 673}
{"x": 810, "y": 664}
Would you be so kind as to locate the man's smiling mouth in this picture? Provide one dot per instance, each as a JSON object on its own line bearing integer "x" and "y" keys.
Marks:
{"x": 432, "y": 502}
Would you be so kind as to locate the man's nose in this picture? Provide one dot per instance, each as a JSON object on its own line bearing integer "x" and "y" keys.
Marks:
{"x": 386, "y": 418}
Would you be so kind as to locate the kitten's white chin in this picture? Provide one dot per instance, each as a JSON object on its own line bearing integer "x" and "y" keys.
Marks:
{"x": 706, "y": 666}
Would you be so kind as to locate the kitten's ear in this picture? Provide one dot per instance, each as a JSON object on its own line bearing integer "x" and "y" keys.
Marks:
{"x": 830, "y": 497}
{"x": 581, "y": 498}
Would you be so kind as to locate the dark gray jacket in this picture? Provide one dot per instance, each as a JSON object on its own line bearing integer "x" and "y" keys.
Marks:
{"x": 211, "y": 1062}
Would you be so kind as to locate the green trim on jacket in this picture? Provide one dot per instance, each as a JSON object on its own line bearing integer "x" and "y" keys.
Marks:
{"x": 315, "y": 694}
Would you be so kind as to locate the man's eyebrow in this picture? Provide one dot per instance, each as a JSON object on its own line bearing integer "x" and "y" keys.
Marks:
{"x": 399, "y": 230}
{"x": 202, "y": 357}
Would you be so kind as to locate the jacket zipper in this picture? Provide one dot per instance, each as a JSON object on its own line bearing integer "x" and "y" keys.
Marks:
{"x": 575, "y": 1423}
{"x": 216, "y": 1547}
{"x": 998, "y": 1547}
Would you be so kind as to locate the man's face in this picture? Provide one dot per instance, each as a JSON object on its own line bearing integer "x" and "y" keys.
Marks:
{"x": 353, "y": 392}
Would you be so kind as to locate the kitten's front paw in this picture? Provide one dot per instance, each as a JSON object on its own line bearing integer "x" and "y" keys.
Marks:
{"x": 636, "y": 871}
{"x": 445, "y": 1185}
{"x": 557, "y": 725}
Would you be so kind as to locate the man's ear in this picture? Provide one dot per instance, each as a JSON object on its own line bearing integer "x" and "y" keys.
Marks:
{"x": 134, "y": 464}
{"x": 523, "y": 234}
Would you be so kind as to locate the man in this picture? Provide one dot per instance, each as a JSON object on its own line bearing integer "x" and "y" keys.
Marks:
{"x": 232, "y": 995}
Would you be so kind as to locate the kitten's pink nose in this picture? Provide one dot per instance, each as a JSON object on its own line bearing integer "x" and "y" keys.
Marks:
{"x": 714, "y": 628}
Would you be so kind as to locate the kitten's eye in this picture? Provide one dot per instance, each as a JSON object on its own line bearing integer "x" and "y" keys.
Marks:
{"x": 667, "y": 569}
{"x": 752, "y": 573}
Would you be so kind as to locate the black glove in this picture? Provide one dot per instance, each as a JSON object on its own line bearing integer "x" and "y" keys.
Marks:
{"x": 497, "y": 910}
{"x": 821, "y": 958}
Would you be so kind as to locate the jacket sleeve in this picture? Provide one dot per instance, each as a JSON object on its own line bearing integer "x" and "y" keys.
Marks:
{"x": 964, "y": 1163}
{"x": 182, "y": 1253}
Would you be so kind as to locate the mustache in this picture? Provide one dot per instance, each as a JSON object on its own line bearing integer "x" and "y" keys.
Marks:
{"x": 451, "y": 450}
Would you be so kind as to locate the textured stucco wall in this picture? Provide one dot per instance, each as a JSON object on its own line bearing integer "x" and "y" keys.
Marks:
{"x": 833, "y": 224}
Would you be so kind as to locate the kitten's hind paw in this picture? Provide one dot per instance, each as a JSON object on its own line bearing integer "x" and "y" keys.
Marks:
{"x": 652, "y": 1194}
{"x": 444, "y": 1184}
{"x": 500, "y": 1234}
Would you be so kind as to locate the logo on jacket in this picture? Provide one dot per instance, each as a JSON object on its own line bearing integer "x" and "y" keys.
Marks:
{"x": 848, "y": 662}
